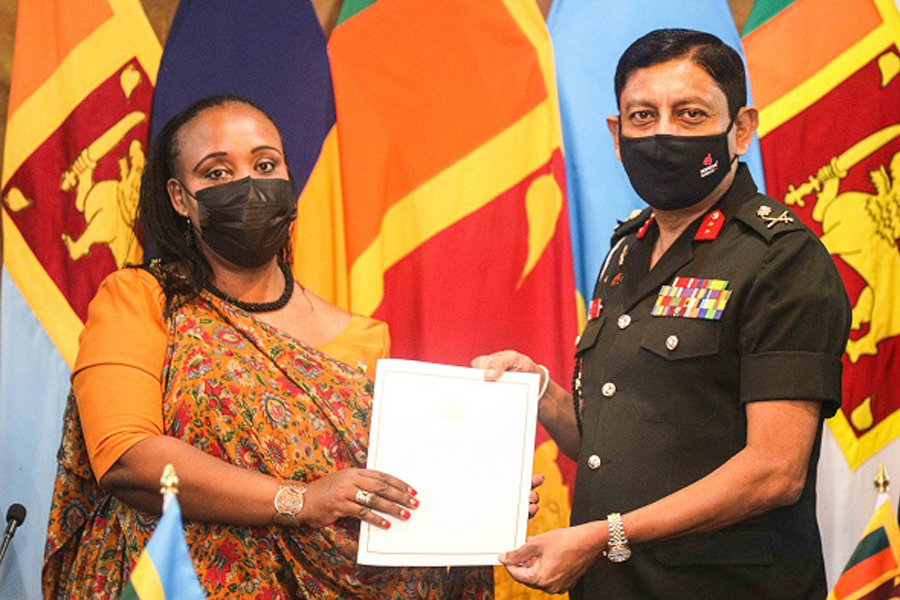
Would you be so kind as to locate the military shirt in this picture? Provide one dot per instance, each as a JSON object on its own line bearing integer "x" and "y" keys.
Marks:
{"x": 745, "y": 306}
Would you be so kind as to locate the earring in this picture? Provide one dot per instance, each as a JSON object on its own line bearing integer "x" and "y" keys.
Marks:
{"x": 189, "y": 232}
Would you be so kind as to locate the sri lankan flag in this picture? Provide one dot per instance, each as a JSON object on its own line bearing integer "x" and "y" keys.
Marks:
{"x": 825, "y": 78}
{"x": 874, "y": 566}
{"x": 164, "y": 570}
{"x": 82, "y": 79}
{"x": 438, "y": 202}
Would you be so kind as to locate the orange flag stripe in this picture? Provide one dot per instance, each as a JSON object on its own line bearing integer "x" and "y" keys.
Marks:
{"x": 38, "y": 55}
{"x": 810, "y": 34}
{"x": 870, "y": 573}
{"x": 457, "y": 110}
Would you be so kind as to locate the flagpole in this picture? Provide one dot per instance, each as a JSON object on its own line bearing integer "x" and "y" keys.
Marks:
{"x": 168, "y": 485}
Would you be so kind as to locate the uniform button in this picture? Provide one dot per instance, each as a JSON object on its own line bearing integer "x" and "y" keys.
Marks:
{"x": 594, "y": 462}
{"x": 624, "y": 321}
{"x": 672, "y": 342}
{"x": 609, "y": 389}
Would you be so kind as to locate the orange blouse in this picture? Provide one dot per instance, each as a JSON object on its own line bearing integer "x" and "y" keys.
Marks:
{"x": 117, "y": 377}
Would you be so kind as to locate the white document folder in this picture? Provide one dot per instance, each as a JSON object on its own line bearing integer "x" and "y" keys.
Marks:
{"x": 467, "y": 447}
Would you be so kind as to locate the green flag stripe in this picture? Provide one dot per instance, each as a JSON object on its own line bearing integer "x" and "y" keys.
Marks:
{"x": 129, "y": 593}
{"x": 869, "y": 546}
{"x": 351, "y": 7}
{"x": 762, "y": 11}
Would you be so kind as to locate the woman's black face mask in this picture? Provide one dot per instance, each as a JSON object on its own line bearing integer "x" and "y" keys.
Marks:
{"x": 247, "y": 221}
{"x": 671, "y": 172}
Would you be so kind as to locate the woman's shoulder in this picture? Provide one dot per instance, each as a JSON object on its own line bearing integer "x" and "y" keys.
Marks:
{"x": 363, "y": 323}
{"x": 130, "y": 281}
{"x": 127, "y": 307}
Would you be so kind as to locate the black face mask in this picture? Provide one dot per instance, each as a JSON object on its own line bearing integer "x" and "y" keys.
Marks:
{"x": 675, "y": 171}
{"x": 247, "y": 221}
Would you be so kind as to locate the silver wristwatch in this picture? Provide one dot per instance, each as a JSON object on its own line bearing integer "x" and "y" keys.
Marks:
{"x": 617, "y": 549}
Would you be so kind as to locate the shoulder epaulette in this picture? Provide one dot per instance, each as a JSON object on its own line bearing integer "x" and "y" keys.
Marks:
{"x": 767, "y": 217}
{"x": 635, "y": 221}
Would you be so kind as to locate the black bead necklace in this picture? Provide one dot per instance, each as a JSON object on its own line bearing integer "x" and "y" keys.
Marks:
{"x": 260, "y": 307}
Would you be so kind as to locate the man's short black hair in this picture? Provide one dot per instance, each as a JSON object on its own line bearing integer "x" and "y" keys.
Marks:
{"x": 707, "y": 51}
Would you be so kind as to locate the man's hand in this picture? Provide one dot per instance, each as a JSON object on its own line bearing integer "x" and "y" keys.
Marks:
{"x": 508, "y": 360}
{"x": 555, "y": 561}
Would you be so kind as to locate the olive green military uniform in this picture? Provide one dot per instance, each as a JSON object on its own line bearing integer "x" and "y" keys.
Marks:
{"x": 746, "y": 306}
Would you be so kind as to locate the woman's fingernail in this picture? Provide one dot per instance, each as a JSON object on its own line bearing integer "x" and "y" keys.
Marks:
{"x": 404, "y": 514}
{"x": 414, "y": 503}
{"x": 412, "y": 492}
{"x": 386, "y": 524}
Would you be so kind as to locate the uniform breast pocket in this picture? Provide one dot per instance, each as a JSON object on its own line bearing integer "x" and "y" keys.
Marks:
{"x": 588, "y": 337}
{"x": 678, "y": 338}
{"x": 679, "y": 365}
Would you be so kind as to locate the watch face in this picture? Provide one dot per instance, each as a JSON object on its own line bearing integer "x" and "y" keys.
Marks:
{"x": 619, "y": 554}
{"x": 289, "y": 501}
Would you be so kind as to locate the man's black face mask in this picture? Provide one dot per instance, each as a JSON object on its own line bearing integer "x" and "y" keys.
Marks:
{"x": 675, "y": 171}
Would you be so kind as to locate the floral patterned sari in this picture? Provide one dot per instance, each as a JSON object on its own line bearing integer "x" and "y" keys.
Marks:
{"x": 253, "y": 396}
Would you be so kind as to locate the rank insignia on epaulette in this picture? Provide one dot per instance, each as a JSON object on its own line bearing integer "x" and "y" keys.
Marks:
{"x": 643, "y": 230}
{"x": 692, "y": 298}
{"x": 710, "y": 227}
{"x": 765, "y": 213}
{"x": 596, "y": 307}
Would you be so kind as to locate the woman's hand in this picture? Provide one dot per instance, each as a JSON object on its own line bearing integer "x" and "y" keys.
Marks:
{"x": 508, "y": 360}
{"x": 533, "y": 497}
{"x": 555, "y": 561}
{"x": 357, "y": 493}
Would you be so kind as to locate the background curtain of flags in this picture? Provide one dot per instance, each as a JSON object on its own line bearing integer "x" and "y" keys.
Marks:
{"x": 436, "y": 192}
{"x": 825, "y": 77}
{"x": 83, "y": 77}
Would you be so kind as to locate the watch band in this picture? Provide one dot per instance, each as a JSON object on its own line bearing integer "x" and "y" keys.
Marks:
{"x": 617, "y": 549}
{"x": 288, "y": 502}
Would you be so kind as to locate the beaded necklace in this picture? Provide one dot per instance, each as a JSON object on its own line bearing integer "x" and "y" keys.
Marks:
{"x": 259, "y": 307}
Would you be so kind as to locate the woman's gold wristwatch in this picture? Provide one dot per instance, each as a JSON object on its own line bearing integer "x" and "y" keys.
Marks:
{"x": 617, "y": 549}
{"x": 289, "y": 502}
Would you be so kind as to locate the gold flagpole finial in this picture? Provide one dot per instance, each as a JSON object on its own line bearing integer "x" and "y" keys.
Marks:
{"x": 882, "y": 482}
{"x": 168, "y": 483}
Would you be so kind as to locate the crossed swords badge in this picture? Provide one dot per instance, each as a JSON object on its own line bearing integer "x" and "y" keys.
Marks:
{"x": 765, "y": 213}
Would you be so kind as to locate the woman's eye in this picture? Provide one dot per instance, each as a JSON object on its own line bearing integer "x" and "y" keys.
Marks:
{"x": 216, "y": 174}
{"x": 266, "y": 166}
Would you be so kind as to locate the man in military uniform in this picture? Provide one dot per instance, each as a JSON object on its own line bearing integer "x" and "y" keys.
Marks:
{"x": 711, "y": 355}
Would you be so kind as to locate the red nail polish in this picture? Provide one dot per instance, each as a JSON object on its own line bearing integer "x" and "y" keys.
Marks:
{"x": 414, "y": 502}
{"x": 404, "y": 514}
{"x": 386, "y": 524}
{"x": 412, "y": 491}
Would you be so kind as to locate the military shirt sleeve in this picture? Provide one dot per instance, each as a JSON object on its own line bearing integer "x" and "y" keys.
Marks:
{"x": 795, "y": 324}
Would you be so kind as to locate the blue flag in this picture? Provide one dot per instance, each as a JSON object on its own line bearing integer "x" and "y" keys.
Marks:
{"x": 588, "y": 39}
{"x": 272, "y": 53}
{"x": 165, "y": 564}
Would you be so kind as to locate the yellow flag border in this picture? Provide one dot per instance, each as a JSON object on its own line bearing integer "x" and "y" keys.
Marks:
{"x": 855, "y": 450}
{"x": 126, "y": 35}
{"x": 838, "y": 70}
{"x": 884, "y": 516}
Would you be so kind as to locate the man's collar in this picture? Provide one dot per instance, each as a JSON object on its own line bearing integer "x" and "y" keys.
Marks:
{"x": 742, "y": 188}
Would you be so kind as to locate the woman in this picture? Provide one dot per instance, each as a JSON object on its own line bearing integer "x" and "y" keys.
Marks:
{"x": 212, "y": 358}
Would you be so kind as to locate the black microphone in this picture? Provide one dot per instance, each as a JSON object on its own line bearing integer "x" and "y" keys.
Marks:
{"x": 15, "y": 516}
